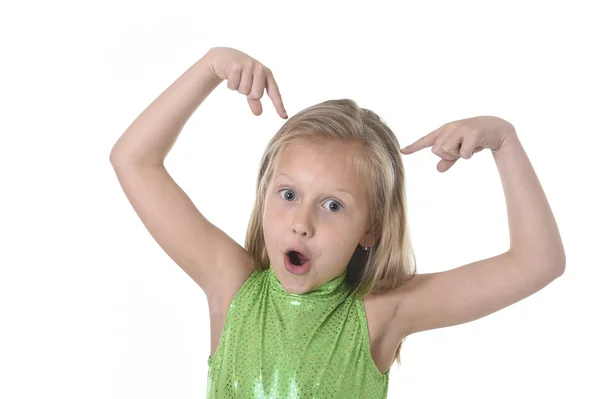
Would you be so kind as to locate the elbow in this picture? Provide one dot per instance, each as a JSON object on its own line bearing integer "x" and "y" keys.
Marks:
{"x": 561, "y": 269}
{"x": 550, "y": 264}
{"x": 114, "y": 159}
{"x": 561, "y": 263}
{"x": 560, "y": 266}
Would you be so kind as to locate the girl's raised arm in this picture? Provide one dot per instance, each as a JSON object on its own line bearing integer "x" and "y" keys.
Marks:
{"x": 217, "y": 263}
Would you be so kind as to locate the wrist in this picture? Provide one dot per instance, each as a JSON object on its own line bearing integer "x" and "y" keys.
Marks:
{"x": 509, "y": 140}
{"x": 207, "y": 60}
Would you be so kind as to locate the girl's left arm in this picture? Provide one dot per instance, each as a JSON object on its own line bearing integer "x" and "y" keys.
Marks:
{"x": 534, "y": 236}
{"x": 536, "y": 256}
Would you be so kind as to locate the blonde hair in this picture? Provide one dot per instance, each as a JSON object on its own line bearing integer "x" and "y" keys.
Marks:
{"x": 389, "y": 262}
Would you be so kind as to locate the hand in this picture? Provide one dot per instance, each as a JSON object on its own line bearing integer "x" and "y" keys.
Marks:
{"x": 463, "y": 138}
{"x": 246, "y": 75}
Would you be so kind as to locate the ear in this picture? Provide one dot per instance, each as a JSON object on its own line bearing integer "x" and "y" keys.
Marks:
{"x": 367, "y": 240}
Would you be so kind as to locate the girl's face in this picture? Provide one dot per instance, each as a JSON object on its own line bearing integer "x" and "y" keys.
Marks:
{"x": 316, "y": 201}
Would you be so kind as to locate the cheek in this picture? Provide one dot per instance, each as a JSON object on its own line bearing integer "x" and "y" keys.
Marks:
{"x": 274, "y": 210}
{"x": 340, "y": 244}
{"x": 270, "y": 216}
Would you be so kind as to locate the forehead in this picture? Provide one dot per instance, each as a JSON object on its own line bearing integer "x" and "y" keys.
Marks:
{"x": 321, "y": 164}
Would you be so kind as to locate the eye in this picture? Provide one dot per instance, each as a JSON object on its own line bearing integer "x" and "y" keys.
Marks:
{"x": 287, "y": 193}
{"x": 338, "y": 206}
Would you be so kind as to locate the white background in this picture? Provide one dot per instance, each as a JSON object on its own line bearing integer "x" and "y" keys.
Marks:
{"x": 91, "y": 306}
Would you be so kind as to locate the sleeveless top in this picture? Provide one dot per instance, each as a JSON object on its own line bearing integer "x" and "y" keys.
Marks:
{"x": 276, "y": 344}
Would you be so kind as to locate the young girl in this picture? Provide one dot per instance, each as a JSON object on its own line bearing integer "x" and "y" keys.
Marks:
{"x": 320, "y": 299}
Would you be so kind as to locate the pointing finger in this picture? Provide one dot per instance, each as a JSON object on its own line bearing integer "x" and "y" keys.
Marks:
{"x": 423, "y": 142}
{"x": 273, "y": 93}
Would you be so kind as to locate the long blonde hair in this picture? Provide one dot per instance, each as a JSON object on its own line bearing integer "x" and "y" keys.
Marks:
{"x": 390, "y": 262}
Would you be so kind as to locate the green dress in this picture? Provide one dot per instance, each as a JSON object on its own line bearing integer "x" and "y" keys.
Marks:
{"x": 281, "y": 345}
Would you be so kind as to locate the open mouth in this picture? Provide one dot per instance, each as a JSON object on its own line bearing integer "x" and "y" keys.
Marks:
{"x": 296, "y": 258}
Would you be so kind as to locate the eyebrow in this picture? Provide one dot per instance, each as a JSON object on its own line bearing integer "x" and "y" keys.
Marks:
{"x": 339, "y": 189}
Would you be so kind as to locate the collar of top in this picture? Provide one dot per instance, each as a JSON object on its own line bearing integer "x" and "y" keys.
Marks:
{"x": 336, "y": 288}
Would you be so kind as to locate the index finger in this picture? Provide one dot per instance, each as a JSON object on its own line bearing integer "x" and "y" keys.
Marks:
{"x": 275, "y": 96}
{"x": 423, "y": 142}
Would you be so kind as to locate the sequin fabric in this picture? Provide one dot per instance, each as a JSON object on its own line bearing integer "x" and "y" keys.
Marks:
{"x": 281, "y": 345}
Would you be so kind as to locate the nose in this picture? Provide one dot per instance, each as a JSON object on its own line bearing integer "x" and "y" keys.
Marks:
{"x": 302, "y": 223}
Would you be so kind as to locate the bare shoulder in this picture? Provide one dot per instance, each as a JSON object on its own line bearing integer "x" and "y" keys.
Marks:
{"x": 384, "y": 340}
{"x": 233, "y": 273}
{"x": 232, "y": 277}
{"x": 380, "y": 311}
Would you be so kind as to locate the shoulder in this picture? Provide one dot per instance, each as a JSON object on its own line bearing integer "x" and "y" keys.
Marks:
{"x": 381, "y": 311}
{"x": 234, "y": 291}
{"x": 383, "y": 338}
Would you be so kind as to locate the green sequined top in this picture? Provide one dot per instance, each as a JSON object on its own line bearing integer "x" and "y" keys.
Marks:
{"x": 281, "y": 345}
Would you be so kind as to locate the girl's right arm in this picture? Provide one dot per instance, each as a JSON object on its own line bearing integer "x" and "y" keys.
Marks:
{"x": 217, "y": 263}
